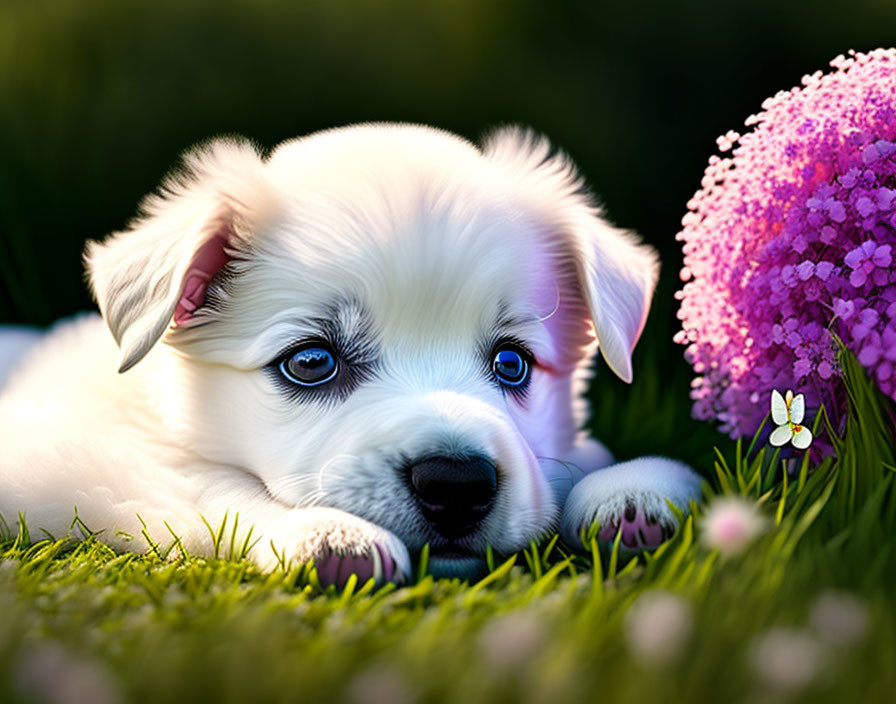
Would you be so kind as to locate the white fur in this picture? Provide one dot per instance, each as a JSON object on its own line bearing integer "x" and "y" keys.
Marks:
{"x": 14, "y": 343}
{"x": 410, "y": 238}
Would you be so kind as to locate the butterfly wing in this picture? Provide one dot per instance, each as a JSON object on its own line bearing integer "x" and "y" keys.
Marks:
{"x": 781, "y": 435}
{"x": 779, "y": 409}
{"x": 802, "y": 438}
{"x": 797, "y": 409}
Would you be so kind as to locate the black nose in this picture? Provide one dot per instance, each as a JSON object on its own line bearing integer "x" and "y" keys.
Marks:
{"x": 455, "y": 493}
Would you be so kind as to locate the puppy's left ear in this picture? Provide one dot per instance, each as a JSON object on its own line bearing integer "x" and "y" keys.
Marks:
{"x": 605, "y": 268}
{"x": 158, "y": 269}
{"x": 618, "y": 275}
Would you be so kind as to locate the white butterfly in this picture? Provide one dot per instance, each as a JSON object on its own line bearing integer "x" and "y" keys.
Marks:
{"x": 787, "y": 413}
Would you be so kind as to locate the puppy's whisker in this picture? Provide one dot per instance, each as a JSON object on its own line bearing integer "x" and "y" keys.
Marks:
{"x": 326, "y": 466}
{"x": 311, "y": 500}
{"x": 291, "y": 481}
{"x": 293, "y": 484}
{"x": 565, "y": 465}
{"x": 296, "y": 482}
{"x": 315, "y": 498}
{"x": 289, "y": 484}
{"x": 556, "y": 306}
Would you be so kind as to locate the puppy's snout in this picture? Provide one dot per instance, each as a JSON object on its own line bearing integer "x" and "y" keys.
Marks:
{"x": 455, "y": 493}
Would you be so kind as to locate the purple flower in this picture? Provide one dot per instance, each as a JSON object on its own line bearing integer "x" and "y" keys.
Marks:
{"x": 792, "y": 238}
{"x": 867, "y": 320}
{"x": 838, "y": 212}
{"x": 864, "y": 259}
{"x": 801, "y": 367}
{"x": 885, "y": 197}
{"x": 823, "y": 270}
{"x": 843, "y": 309}
{"x": 848, "y": 180}
{"x": 865, "y": 206}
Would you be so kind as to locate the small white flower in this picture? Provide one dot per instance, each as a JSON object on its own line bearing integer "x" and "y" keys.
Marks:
{"x": 786, "y": 659}
{"x": 658, "y": 626}
{"x": 730, "y": 524}
{"x": 512, "y": 640}
{"x": 787, "y": 413}
{"x": 8, "y": 570}
{"x": 380, "y": 684}
{"x": 839, "y": 618}
{"x": 52, "y": 674}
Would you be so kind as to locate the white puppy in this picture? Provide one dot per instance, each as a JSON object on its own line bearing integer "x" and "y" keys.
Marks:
{"x": 374, "y": 338}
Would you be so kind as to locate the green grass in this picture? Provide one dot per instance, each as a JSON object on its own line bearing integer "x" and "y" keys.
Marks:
{"x": 549, "y": 626}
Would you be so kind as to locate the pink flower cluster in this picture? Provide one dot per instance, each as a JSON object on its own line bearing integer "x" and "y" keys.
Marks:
{"x": 790, "y": 238}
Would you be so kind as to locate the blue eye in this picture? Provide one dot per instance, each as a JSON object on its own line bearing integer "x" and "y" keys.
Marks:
{"x": 310, "y": 366}
{"x": 510, "y": 365}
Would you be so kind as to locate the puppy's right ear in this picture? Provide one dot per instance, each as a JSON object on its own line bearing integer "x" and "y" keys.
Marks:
{"x": 158, "y": 269}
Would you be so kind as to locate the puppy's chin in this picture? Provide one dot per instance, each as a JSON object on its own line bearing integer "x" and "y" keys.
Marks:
{"x": 461, "y": 566}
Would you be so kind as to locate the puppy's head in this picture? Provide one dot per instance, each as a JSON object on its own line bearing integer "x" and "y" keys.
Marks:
{"x": 382, "y": 319}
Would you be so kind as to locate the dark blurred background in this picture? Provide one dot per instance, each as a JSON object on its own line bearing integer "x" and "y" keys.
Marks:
{"x": 98, "y": 98}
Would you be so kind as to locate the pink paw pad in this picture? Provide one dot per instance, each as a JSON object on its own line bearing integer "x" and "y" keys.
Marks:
{"x": 335, "y": 569}
{"x": 639, "y": 531}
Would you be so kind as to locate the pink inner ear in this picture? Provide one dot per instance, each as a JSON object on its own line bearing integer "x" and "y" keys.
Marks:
{"x": 209, "y": 259}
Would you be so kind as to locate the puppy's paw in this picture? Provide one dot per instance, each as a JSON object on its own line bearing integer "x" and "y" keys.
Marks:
{"x": 340, "y": 544}
{"x": 631, "y": 497}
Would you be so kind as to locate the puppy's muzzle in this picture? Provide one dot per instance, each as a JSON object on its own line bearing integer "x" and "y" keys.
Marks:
{"x": 454, "y": 493}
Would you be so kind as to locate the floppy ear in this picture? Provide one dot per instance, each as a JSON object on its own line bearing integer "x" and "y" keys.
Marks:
{"x": 159, "y": 268}
{"x": 608, "y": 267}
{"x": 618, "y": 276}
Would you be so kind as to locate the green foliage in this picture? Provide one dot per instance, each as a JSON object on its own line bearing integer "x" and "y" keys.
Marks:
{"x": 546, "y": 625}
